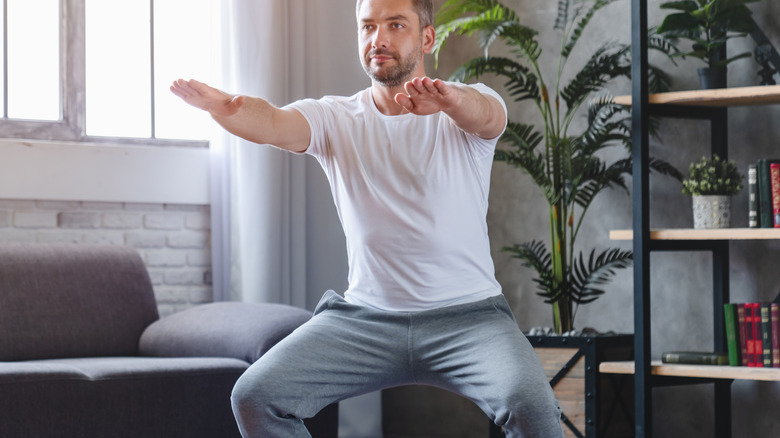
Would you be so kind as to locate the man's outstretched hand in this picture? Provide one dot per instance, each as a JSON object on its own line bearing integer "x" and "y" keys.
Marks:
{"x": 207, "y": 98}
{"x": 426, "y": 96}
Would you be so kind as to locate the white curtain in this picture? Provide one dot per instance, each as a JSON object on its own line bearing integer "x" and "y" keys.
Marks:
{"x": 259, "y": 202}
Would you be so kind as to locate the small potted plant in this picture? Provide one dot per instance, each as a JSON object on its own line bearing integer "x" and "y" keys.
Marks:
{"x": 708, "y": 24}
{"x": 712, "y": 182}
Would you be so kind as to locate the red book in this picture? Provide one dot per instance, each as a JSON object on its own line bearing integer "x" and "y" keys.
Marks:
{"x": 774, "y": 310}
{"x": 743, "y": 337}
{"x": 758, "y": 346}
{"x": 751, "y": 340}
{"x": 774, "y": 178}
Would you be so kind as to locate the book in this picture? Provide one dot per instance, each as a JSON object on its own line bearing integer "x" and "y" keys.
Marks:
{"x": 749, "y": 337}
{"x": 758, "y": 347}
{"x": 765, "y": 210}
{"x": 695, "y": 357}
{"x": 732, "y": 341}
{"x": 774, "y": 313}
{"x": 774, "y": 181}
{"x": 752, "y": 197}
{"x": 766, "y": 334}
{"x": 742, "y": 334}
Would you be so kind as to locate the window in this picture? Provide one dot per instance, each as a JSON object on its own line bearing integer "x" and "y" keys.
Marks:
{"x": 85, "y": 70}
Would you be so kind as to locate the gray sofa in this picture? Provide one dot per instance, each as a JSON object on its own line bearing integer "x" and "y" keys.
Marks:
{"x": 84, "y": 354}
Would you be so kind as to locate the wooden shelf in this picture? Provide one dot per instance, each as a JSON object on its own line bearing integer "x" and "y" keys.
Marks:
{"x": 698, "y": 371}
{"x": 742, "y": 96}
{"x": 700, "y": 234}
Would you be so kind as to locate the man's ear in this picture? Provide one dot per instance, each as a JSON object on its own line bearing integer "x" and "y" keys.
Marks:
{"x": 429, "y": 39}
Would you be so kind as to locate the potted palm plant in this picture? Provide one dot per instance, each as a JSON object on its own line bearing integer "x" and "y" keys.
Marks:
{"x": 708, "y": 25}
{"x": 570, "y": 171}
{"x": 566, "y": 166}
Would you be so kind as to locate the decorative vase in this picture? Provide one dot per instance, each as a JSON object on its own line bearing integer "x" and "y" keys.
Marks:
{"x": 712, "y": 211}
{"x": 712, "y": 77}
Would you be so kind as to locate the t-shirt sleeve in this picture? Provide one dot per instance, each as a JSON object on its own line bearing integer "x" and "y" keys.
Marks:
{"x": 487, "y": 146}
{"x": 314, "y": 113}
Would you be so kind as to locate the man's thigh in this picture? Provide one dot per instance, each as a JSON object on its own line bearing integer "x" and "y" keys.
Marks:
{"x": 341, "y": 352}
{"x": 478, "y": 351}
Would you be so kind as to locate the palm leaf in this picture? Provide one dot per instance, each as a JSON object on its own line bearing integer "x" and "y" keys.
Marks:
{"x": 598, "y": 271}
{"x": 521, "y": 82}
{"x": 491, "y": 19}
{"x": 606, "y": 63}
{"x": 562, "y": 19}
{"x": 581, "y": 25}
{"x": 453, "y": 9}
{"x": 535, "y": 255}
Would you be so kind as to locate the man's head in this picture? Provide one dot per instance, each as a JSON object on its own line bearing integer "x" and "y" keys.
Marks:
{"x": 424, "y": 9}
{"x": 393, "y": 38}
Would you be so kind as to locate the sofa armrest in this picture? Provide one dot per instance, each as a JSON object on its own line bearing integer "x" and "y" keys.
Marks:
{"x": 224, "y": 329}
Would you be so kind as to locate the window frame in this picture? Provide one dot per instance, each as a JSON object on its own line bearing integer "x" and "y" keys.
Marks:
{"x": 72, "y": 124}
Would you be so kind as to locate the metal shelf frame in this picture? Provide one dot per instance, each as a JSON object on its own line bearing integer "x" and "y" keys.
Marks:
{"x": 643, "y": 246}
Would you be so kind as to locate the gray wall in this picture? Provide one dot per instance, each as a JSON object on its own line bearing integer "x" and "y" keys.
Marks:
{"x": 681, "y": 282}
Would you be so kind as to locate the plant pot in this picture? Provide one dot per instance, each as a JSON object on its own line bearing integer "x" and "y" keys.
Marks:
{"x": 712, "y": 77}
{"x": 713, "y": 211}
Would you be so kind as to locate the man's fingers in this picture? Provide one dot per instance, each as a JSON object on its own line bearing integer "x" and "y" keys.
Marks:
{"x": 404, "y": 101}
{"x": 429, "y": 85}
{"x": 441, "y": 86}
{"x": 425, "y": 85}
{"x": 177, "y": 91}
{"x": 411, "y": 88}
{"x": 183, "y": 89}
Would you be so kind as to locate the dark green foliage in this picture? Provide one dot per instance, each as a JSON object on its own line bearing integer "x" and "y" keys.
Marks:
{"x": 708, "y": 24}
{"x": 568, "y": 168}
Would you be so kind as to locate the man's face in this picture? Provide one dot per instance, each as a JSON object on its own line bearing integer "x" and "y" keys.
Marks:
{"x": 390, "y": 40}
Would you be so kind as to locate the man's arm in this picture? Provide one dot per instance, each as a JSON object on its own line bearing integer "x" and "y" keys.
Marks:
{"x": 471, "y": 110}
{"x": 250, "y": 118}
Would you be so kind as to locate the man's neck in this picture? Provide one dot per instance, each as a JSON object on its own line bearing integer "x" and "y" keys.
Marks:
{"x": 384, "y": 99}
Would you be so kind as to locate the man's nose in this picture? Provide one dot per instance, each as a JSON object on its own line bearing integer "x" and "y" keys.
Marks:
{"x": 380, "y": 38}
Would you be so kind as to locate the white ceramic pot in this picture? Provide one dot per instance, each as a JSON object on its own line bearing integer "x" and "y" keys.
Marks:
{"x": 711, "y": 211}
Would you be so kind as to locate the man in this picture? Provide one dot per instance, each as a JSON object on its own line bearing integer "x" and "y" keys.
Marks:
{"x": 409, "y": 162}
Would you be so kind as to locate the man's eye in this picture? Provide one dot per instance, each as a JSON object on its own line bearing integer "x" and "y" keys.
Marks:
{"x": 398, "y": 26}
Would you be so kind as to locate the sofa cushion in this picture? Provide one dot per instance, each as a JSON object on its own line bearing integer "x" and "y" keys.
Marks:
{"x": 128, "y": 397}
{"x": 72, "y": 301}
{"x": 227, "y": 329}
{"x": 107, "y": 368}
{"x": 36, "y": 371}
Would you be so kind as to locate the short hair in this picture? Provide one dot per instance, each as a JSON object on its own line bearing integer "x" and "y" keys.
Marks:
{"x": 423, "y": 8}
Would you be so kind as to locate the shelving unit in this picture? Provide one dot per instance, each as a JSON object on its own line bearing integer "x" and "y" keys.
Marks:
{"x": 695, "y": 371}
{"x": 685, "y": 234}
{"x": 711, "y": 105}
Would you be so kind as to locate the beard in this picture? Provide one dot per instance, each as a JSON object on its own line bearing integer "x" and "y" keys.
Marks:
{"x": 392, "y": 76}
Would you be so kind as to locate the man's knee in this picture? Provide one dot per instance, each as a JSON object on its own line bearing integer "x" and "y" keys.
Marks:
{"x": 253, "y": 391}
{"x": 245, "y": 395}
{"x": 535, "y": 411}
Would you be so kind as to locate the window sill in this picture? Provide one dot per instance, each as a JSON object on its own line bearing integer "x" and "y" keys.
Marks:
{"x": 103, "y": 172}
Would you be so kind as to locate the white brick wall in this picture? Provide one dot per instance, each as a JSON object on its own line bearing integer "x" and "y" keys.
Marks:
{"x": 174, "y": 240}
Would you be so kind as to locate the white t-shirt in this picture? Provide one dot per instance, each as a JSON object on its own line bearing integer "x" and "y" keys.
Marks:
{"x": 412, "y": 195}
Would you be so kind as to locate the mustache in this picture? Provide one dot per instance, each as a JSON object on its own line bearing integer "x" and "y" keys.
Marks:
{"x": 381, "y": 52}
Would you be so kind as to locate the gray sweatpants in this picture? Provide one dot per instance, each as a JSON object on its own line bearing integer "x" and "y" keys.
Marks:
{"x": 473, "y": 349}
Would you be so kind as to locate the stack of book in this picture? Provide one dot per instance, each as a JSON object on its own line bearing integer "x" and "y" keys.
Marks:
{"x": 752, "y": 338}
{"x": 753, "y": 334}
{"x": 764, "y": 193}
